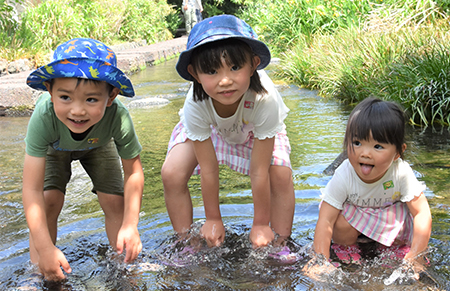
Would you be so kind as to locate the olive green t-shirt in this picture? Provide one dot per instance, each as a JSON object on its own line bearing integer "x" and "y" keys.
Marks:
{"x": 45, "y": 129}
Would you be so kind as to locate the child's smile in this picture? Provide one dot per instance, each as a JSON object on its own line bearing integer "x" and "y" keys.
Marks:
{"x": 79, "y": 104}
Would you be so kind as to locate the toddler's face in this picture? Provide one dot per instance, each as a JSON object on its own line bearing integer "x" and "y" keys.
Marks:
{"x": 371, "y": 159}
{"x": 80, "y": 106}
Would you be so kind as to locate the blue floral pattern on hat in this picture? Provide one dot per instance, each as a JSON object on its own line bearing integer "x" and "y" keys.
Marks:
{"x": 82, "y": 58}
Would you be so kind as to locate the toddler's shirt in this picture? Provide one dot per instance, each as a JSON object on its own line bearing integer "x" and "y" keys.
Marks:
{"x": 398, "y": 184}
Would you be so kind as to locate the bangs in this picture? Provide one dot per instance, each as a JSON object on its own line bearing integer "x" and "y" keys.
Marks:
{"x": 385, "y": 121}
{"x": 361, "y": 127}
{"x": 209, "y": 56}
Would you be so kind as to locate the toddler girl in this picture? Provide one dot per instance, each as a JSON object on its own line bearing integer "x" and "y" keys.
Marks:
{"x": 374, "y": 192}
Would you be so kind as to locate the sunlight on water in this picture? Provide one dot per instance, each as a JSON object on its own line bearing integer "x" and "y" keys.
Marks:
{"x": 315, "y": 128}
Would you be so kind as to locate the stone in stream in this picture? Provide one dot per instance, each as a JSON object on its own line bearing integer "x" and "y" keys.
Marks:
{"x": 335, "y": 164}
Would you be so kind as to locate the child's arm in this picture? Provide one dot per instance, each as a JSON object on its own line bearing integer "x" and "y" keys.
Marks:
{"x": 261, "y": 233}
{"x": 420, "y": 211}
{"x": 50, "y": 258}
{"x": 213, "y": 230}
{"x": 128, "y": 236}
{"x": 319, "y": 264}
{"x": 324, "y": 229}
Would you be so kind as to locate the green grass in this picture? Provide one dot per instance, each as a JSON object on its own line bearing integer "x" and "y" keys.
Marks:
{"x": 350, "y": 50}
{"x": 45, "y": 26}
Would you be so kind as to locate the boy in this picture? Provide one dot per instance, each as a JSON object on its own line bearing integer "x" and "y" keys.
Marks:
{"x": 80, "y": 119}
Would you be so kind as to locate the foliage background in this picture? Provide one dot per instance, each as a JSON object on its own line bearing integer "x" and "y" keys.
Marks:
{"x": 45, "y": 24}
{"x": 346, "y": 49}
{"x": 353, "y": 49}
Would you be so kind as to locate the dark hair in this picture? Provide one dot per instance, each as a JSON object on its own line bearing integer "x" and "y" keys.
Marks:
{"x": 385, "y": 120}
{"x": 109, "y": 87}
{"x": 209, "y": 57}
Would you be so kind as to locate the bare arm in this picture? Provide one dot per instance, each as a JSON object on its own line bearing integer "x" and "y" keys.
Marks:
{"x": 420, "y": 211}
{"x": 324, "y": 229}
{"x": 50, "y": 258}
{"x": 128, "y": 236}
{"x": 261, "y": 233}
{"x": 213, "y": 229}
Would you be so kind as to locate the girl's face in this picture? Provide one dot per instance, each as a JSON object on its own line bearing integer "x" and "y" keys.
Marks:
{"x": 371, "y": 159}
{"x": 79, "y": 106}
{"x": 227, "y": 84}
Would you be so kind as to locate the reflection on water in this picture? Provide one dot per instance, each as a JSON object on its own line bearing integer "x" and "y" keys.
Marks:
{"x": 315, "y": 128}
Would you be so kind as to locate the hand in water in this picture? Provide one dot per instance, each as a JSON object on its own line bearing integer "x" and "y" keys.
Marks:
{"x": 409, "y": 269}
{"x": 128, "y": 239}
{"x": 317, "y": 267}
{"x": 261, "y": 235}
{"x": 50, "y": 262}
{"x": 214, "y": 232}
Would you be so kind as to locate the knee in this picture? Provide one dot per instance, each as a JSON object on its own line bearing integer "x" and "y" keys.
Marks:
{"x": 54, "y": 201}
{"x": 344, "y": 233}
{"x": 111, "y": 204}
{"x": 281, "y": 181}
{"x": 173, "y": 176}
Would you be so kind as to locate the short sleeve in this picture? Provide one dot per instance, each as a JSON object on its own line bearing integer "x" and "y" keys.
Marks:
{"x": 124, "y": 135}
{"x": 41, "y": 130}
{"x": 411, "y": 187}
{"x": 270, "y": 111}
{"x": 196, "y": 118}
{"x": 335, "y": 192}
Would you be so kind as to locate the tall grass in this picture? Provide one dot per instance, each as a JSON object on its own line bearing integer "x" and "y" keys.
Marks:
{"x": 397, "y": 50}
{"x": 43, "y": 27}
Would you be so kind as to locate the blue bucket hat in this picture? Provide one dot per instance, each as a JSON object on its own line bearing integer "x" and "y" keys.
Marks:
{"x": 82, "y": 58}
{"x": 218, "y": 28}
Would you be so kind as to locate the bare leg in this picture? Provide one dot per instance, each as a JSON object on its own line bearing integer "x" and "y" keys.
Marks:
{"x": 175, "y": 174}
{"x": 113, "y": 207}
{"x": 282, "y": 201}
{"x": 54, "y": 201}
{"x": 344, "y": 233}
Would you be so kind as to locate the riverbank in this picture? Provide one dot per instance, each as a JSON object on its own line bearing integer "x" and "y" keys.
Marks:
{"x": 16, "y": 98}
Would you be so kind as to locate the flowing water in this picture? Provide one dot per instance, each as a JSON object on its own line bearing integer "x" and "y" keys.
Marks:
{"x": 315, "y": 128}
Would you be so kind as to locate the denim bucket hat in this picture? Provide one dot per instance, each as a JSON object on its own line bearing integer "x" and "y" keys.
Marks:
{"x": 218, "y": 28}
{"x": 82, "y": 58}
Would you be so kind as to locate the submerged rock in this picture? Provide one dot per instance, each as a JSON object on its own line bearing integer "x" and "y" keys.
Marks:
{"x": 335, "y": 164}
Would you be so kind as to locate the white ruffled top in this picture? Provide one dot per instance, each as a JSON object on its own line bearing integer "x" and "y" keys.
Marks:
{"x": 261, "y": 114}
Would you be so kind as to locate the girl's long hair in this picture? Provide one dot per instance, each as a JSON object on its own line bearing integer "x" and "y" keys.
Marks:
{"x": 208, "y": 57}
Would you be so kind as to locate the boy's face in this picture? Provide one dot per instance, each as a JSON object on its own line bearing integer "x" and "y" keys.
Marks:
{"x": 80, "y": 106}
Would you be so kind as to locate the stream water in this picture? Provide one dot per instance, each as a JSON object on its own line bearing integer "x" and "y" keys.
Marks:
{"x": 315, "y": 128}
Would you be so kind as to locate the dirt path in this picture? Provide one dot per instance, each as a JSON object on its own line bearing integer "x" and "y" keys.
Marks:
{"x": 15, "y": 94}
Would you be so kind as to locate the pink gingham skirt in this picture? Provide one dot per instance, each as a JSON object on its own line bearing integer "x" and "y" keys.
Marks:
{"x": 384, "y": 225}
{"x": 237, "y": 156}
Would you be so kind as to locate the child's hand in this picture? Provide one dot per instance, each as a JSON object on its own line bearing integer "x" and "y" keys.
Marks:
{"x": 318, "y": 267}
{"x": 50, "y": 262}
{"x": 410, "y": 268}
{"x": 128, "y": 238}
{"x": 261, "y": 235}
{"x": 214, "y": 232}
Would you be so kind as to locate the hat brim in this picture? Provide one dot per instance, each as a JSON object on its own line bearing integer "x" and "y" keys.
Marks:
{"x": 93, "y": 69}
{"x": 258, "y": 47}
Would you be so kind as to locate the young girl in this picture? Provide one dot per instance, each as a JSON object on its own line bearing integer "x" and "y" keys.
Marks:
{"x": 232, "y": 115}
{"x": 374, "y": 192}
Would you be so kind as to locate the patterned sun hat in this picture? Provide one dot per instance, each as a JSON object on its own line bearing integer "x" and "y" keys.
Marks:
{"x": 82, "y": 58}
{"x": 216, "y": 28}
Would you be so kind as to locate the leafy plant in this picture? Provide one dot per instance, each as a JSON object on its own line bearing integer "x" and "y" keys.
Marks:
{"x": 52, "y": 22}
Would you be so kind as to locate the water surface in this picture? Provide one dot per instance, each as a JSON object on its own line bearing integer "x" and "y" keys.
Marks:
{"x": 315, "y": 128}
